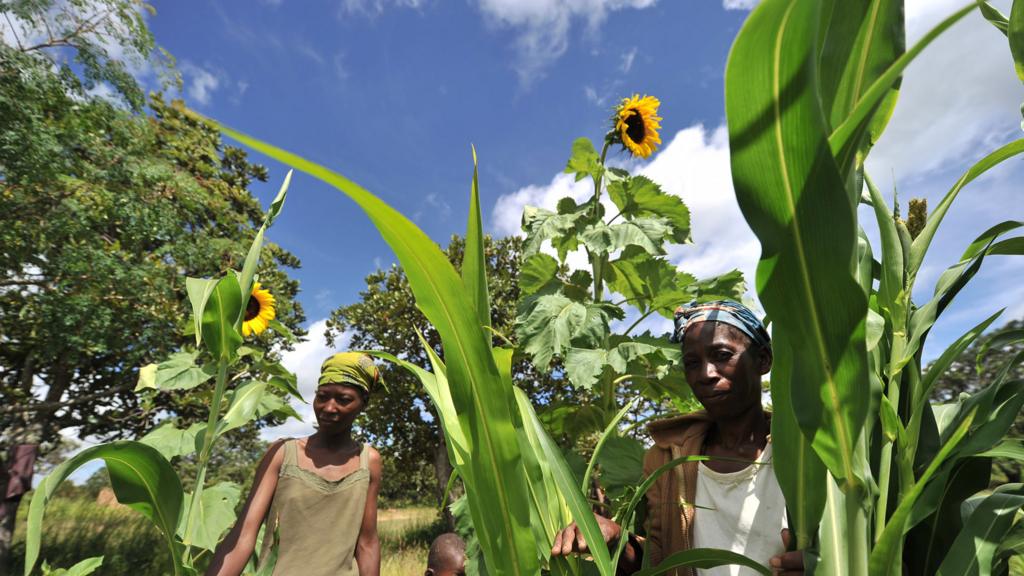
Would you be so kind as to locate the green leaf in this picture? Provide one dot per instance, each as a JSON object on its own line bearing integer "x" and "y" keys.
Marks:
{"x": 621, "y": 463}
{"x": 552, "y": 323}
{"x": 640, "y": 196}
{"x": 924, "y": 239}
{"x": 179, "y": 372}
{"x": 567, "y": 484}
{"x": 535, "y": 272}
{"x": 892, "y": 428}
{"x": 142, "y": 479}
{"x": 974, "y": 549}
{"x": 608, "y": 432}
{"x": 728, "y": 286}
{"x": 1015, "y": 33}
{"x": 216, "y": 514}
{"x": 647, "y": 282}
{"x": 199, "y": 290}
{"x": 222, "y": 309}
{"x": 282, "y": 330}
{"x": 584, "y": 160}
{"x": 242, "y": 407}
{"x": 647, "y": 233}
{"x": 83, "y": 568}
{"x": 993, "y": 15}
{"x": 1006, "y": 449}
{"x": 252, "y": 259}
{"x": 286, "y": 385}
{"x": 703, "y": 558}
{"x": 474, "y": 266}
{"x": 171, "y": 441}
{"x": 503, "y": 519}
{"x": 541, "y": 225}
{"x": 794, "y": 198}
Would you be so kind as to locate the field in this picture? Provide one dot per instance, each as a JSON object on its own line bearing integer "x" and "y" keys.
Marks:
{"x": 79, "y": 528}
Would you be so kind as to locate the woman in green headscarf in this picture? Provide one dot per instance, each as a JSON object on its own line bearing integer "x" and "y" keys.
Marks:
{"x": 317, "y": 496}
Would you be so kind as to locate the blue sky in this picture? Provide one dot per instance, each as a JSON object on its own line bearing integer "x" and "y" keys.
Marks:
{"x": 392, "y": 93}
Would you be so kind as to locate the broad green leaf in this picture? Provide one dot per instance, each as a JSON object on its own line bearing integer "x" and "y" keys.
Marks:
{"x": 892, "y": 428}
{"x": 703, "y": 558}
{"x": 286, "y": 385}
{"x": 1006, "y": 449}
{"x": 147, "y": 377}
{"x": 621, "y": 463}
{"x": 222, "y": 309}
{"x": 243, "y": 404}
{"x": 216, "y": 514}
{"x": 282, "y": 330}
{"x": 552, "y": 323}
{"x": 584, "y": 160}
{"x": 440, "y": 294}
{"x": 924, "y": 239}
{"x": 1015, "y": 33}
{"x": 83, "y": 568}
{"x": 542, "y": 225}
{"x": 535, "y": 272}
{"x": 567, "y": 484}
{"x": 974, "y": 549}
{"x": 179, "y": 372}
{"x": 273, "y": 404}
{"x": 199, "y": 290}
{"x": 584, "y": 366}
{"x": 252, "y": 258}
{"x": 142, "y": 479}
{"x": 891, "y": 284}
{"x": 646, "y": 232}
{"x": 728, "y": 286}
{"x": 172, "y": 441}
{"x": 794, "y": 198}
{"x": 639, "y": 196}
{"x": 474, "y": 266}
{"x": 799, "y": 470}
{"x": 643, "y": 280}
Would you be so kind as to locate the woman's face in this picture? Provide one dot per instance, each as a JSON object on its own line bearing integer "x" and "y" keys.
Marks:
{"x": 336, "y": 406}
{"x": 723, "y": 368}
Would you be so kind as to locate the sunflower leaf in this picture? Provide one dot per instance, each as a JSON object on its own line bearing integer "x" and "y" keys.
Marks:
{"x": 584, "y": 160}
{"x": 172, "y": 441}
{"x": 640, "y": 196}
{"x": 179, "y": 372}
{"x": 541, "y": 225}
{"x": 535, "y": 272}
{"x": 645, "y": 281}
{"x": 551, "y": 323}
{"x": 647, "y": 233}
{"x": 282, "y": 330}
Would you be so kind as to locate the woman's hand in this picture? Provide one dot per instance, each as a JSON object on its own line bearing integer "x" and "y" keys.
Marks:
{"x": 788, "y": 563}
{"x": 570, "y": 539}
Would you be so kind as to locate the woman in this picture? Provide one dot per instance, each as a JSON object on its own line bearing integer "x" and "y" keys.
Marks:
{"x": 732, "y": 501}
{"x": 317, "y": 496}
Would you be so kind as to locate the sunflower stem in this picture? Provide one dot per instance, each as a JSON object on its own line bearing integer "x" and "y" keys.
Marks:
{"x": 597, "y": 261}
{"x": 204, "y": 455}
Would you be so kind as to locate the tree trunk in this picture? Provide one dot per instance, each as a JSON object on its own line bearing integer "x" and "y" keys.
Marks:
{"x": 442, "y": 472}
{"x": 16, "y": 479}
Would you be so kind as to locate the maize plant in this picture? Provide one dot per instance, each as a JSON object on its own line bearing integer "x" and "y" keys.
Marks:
{"x": 877, "y": 479}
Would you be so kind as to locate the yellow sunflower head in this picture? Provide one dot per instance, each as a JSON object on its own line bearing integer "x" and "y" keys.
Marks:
{"x": 636, "y": 124}
{"x": 259, "y": 311}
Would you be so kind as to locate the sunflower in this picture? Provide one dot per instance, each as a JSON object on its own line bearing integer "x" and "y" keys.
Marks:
{"x": 636, "y": 125}
{"x": 259, "y": 311}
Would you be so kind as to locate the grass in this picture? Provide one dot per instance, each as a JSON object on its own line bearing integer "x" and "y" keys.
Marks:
{"x": 78, "y": 528}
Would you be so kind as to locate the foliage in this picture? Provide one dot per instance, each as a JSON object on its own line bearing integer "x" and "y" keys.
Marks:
{"x": 862, "y": 456}
{"x": 104, "y": 210}
{"x": 107, "y": 40}
{"x": 386, "y": 318}
{"x": 141, "y": 475}
{"x": 519, "y": 487}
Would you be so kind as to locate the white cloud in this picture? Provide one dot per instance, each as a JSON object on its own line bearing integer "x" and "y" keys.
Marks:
{"x": 200, "y": 83}
{"x": 544, "y": 25}
{"x": 372, "y": 8}
{"x": 739, "y": 4}
{"x": 959, "y": 98}
{"x": 305, "y": 362}
{"x": 694, "y": 165}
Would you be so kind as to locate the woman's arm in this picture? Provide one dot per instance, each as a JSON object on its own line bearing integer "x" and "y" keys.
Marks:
{"x": 236, "y": 548}
{"x": 368, "y": 546}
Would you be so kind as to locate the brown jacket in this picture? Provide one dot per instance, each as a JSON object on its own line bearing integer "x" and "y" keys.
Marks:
{"x": 669, "y": 500}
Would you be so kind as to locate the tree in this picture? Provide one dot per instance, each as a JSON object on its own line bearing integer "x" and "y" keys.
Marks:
{"x": 973, "y": 369}
{"x": 105, "y": 211}
{"x": 401, "y": 420}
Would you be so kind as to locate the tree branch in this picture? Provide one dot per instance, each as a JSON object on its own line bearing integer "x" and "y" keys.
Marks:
{"x": 53, "y": 406}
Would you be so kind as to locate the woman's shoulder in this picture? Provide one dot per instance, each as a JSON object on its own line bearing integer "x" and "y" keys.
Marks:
{"x": 677, "y": 430}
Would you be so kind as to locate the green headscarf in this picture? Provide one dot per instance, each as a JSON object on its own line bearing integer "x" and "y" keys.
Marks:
{"x": 352, "y": 368}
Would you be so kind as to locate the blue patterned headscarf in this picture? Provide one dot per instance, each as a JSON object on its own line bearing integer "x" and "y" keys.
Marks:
{"x": 725, "y": 311}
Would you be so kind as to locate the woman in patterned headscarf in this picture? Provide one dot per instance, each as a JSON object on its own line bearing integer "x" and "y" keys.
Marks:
{"x": 733, "y": 500}
{"x": 317, "y": 496}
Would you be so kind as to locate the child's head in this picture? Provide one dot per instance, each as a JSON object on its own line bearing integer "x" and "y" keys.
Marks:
{"x": 447, "y": 556}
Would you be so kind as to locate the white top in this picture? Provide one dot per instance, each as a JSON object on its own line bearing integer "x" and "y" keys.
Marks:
{"x": 741, "y": 511}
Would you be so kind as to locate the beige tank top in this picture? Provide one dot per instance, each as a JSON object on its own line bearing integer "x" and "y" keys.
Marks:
{"x": 317, "y": 520}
